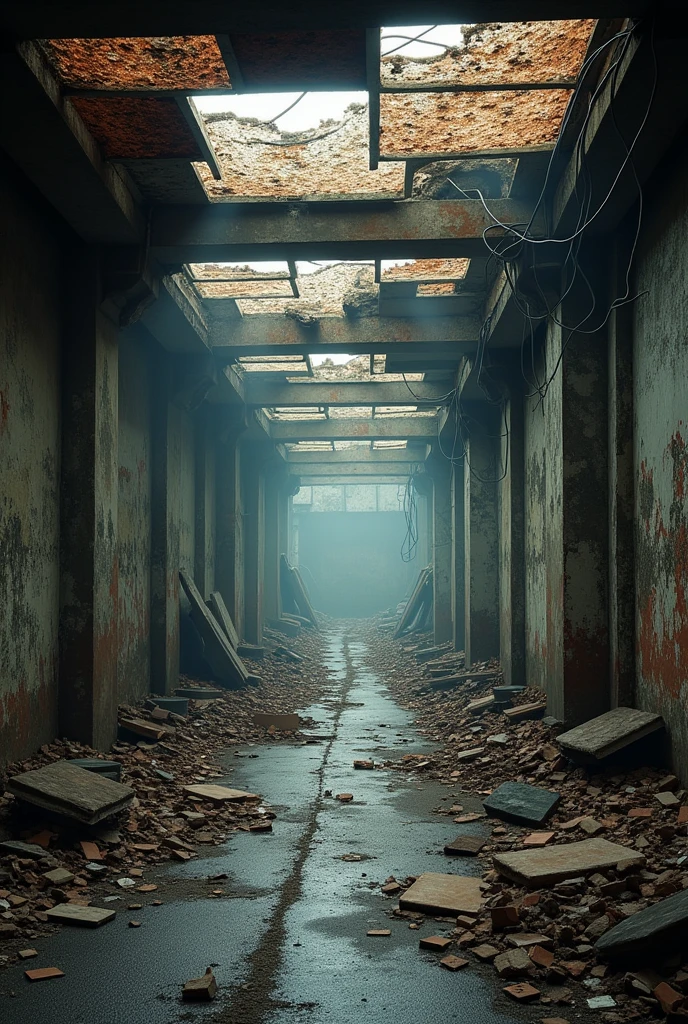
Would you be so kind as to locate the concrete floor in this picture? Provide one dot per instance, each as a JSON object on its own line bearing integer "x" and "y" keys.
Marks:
{"x": 289, "y": 941}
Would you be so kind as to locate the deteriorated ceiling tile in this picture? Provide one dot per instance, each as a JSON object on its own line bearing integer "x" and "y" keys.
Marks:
{"x": 427, "y": 270}
{"x": 131, "y": 127}
{"x": 322, "y": 293}
{"x": 268, "y": 271}
{"x": 429, "y": 124}
{"x": 163, "y": 62}
{"x": 530, "y": 51}
{"x": 274, "y": 61}
{"x": 238, "y": 289}
{"x": 258, "y": 161}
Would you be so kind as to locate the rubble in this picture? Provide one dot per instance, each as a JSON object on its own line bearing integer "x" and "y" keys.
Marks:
{"x": 162, "y": 821}
{"x": 70, "y": 791}
{"x": 611, "y": 869}
{"x": 521, "y": 803}
{"x": 201, "y": 989}
{"x": 450, "y": 894}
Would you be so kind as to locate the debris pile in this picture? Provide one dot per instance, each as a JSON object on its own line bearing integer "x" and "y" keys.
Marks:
{"x": 60, "y": 863}
{"x": 584, "y": 891}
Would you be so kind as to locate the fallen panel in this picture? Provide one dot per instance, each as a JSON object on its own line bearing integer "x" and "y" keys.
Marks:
{"x": 444, "y": 894}
{"x": 659, "y": 930}
{"x": 552, "y": 864}
{"x": 443, "y": 124}
{"x": 217, "y": 605}
{"x": 465, "y": 846}
{"x": 609, "y": 733}
{"x": 520, "y": 803}
{"x": 286, "y": 723}
{"x": 225, "y": 662}
{"x": 74, "y": 792}
{"x": 220, "y": 794}
{"x": 71, "y": 913}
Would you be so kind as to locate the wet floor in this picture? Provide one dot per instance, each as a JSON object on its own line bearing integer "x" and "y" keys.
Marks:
{"x": 288, "y": 942}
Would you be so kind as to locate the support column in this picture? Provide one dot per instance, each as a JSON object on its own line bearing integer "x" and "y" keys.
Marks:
{"x": 459, "y": 557}
{"x": 442, "y": 548}
{"x": 166, "y": 511}
{"x": 204, "y": 504}
{"x": 276, "y": 496}
{"x": 254, "y": 455}
{"x": 89, "y": 494}
{"x": 230, "y": 423}
{"x": 621, "y": 499}
{"x": 511, "y": 496}
{"x": 481, "y": 532}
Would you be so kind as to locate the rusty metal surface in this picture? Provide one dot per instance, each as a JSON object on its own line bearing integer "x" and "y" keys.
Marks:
{"x": 330, "y": 162}
{"x": 427, "y": 270}
{"x": 316, "y": 59}
{"x": 161, "y": 62}
{"x": 131, "y": 127}
{"x": 29, "y": 470}
{"x": 660, "y": 359}
{"x": 526, "y": 51}
{"x": 425, "y": 124}
{"x": 134, "y": 518}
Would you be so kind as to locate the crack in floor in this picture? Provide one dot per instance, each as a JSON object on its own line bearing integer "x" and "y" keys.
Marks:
{"x": 254, "y": 998}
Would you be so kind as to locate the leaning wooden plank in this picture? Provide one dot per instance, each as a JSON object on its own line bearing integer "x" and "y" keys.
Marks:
{"x": 216, "y": 603}
{"x": 303, "y": 600}
{"x": 414, "y": 603}
{"x": 609, "y": 733}
{"x": 287, "y": 592}
{"x": 71, "y": 791}
{"x": 226, "y": 664}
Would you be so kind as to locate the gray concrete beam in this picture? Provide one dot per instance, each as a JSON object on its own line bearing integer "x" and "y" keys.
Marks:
{"x": 440, "y": 469}
{"x": 383, "y": 428}
{"x": 282, "y": 335}
{"x": 357, "y": 471}
{"x": 352, "y": 393}
{"x": 42, "y": 19}
{"x": 351, "y": 230}
{"x": 229, "y": 424}
{"x": 359, "y": 455}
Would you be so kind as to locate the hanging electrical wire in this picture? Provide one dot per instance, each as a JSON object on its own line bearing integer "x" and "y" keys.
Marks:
{"x": 518, "y": 243}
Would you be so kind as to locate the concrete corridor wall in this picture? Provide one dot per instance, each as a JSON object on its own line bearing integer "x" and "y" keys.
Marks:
{"x": 30, "y": 346}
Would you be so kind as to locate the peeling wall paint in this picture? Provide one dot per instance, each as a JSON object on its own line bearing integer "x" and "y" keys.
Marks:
{"x": 187, "y": 522}
{"x": 661, "y": 460}
{"x": 134, "y": 517}
{"x": 30, "y": 328}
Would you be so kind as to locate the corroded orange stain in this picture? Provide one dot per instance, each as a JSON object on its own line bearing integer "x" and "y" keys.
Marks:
{"x": 662, "y": 640}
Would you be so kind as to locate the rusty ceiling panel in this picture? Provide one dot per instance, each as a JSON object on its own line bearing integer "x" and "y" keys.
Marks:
{"x": 274, "y": 61}
{"x": 244, "y": 289}
{"x": 165, "y": 62}
{"x": 237, "y": 272}
{"x": 420, "y": 124}
{"x": 529, "y": 51}
{"x": 259, "y": 161}
{"x": 427, "y": 270}
{"x": 132, "y": 128}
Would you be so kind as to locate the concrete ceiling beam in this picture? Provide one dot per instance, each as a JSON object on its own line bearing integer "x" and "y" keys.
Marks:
{"x": 371, "y": 457}
{"x": 336, "y": 393}
{"x": 384, "y": 428}
{"x": 348, "y": 230}
{"x": 45, "y": 19}
{"x": 282, "y": 335}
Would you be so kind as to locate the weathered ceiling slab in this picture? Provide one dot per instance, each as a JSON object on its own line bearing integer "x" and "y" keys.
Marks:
{"x": 430, "y": 124}
{"x": 349, "y": 393}
{"x": 399, "y": 428}
{"x": 174, "y": 63}
{"x": 330, "y": 162}
{"x": 496, "y": 53}
{"x": 138, "y": 127}
{"x": 314, "y": 60}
